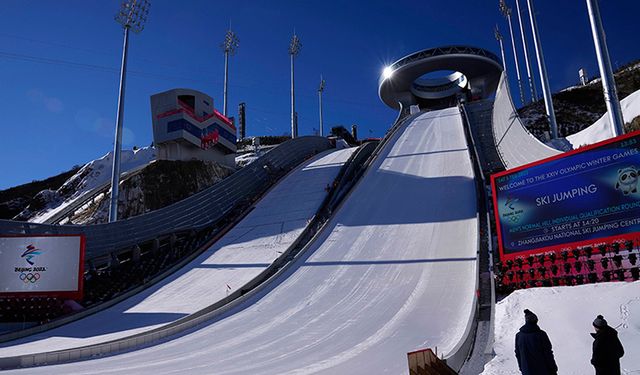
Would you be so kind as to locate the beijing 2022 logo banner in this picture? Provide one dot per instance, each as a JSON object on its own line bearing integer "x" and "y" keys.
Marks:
{"x": 589, "y": 194}
{"x": 41, "y": 264}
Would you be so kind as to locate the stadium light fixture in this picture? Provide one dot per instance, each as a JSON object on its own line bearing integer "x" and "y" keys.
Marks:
{"x": 498, "y": 35}
{"x": 546, "y": 90}
{"x": 525, "y": 46}
{"x": 606, "y": 71}
{"x": 132, "y": 16}
{"x": 506, "y": 12}
{"x": 294, "y": 50}
{"x": 229, "y": 47}
{"x": 320, "y": 91}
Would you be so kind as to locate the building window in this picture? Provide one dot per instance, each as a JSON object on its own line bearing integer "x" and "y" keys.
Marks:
{"x": 189, "y": 100}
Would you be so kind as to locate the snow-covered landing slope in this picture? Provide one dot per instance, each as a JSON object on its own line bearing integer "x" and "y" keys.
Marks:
{"x": 566, "y": 314}
{"x": 395, "y": 271}
{"x": 601, "y": 129}
{"x": 236, "y": 258}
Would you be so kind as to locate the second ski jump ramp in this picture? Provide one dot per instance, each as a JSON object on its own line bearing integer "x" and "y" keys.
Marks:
{"x": 240, "y": 255}
{"x": 515, "y": 145}
{"x": 394, "y": 270}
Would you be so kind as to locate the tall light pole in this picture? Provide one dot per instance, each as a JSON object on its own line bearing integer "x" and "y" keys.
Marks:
{"x": 546, "y": 91}
{"x": 506, "y": 11}
{"x": 606, "y": 71}
{"x": 320, "y": 91}
{"x": 532, "y": 85}
{"x": 294, "y": 49}
{"x": 132, "y": 16}
{"x": 229, "y": 47}
{"x": 498, "y": 36}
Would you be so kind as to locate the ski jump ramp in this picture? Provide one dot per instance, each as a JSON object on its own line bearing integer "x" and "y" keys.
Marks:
{"x": 240, "y": 255}
{"x": 394, "y": 270}
{"x": 516, "y": 146}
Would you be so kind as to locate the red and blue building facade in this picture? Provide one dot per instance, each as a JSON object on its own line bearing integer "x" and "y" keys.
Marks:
{"x": 186, "y": 126}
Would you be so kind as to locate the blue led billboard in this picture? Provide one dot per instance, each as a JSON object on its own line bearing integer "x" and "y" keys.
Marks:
{"x": 569, "y": 200}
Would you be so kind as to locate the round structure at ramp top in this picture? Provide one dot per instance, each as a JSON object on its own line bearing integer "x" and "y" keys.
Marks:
{"x": 476, "y": 70}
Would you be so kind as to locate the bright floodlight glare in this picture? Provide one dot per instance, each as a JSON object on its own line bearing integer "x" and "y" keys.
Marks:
{"x": 387, "y": 72}
{"x": 133, "y": 14}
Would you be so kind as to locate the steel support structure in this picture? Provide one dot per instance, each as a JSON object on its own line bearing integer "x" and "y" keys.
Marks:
{"x": 546, "y": 90}
{"x": 606, "y": 71}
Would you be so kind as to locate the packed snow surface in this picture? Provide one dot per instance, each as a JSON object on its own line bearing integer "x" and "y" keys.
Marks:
{"x": 515, "y": 144}
{"x": 240, "y": 255}
{"x": 394, "y": 271}
{"x": 601, "y": 129}
{"x": 566, "y": 314}
{"x": 96, "y": 174}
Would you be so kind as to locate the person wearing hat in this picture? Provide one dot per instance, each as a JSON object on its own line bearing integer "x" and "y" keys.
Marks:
{"x": 533, "y": 348}
{"x": 607, "y": 348}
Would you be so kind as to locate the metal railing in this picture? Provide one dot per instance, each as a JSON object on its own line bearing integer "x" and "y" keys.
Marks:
{"x": 195, "y": 212}
{"x": 446, "y": 50}
{"x": 479, "y": 115}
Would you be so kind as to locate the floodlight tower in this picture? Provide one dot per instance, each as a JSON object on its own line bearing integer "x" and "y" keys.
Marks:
{"x": 606, "y": 71}
{"x": 546, "y": 91}
{"x": 320, "y": 91}
{"x": 532, "y": 85}
{"x": 229, "y": 47}
{"x": 506, "y": 11}
{"x": 294, "y": 49}
{"x": 132, "y": 16}
{"x": 498, "y": 36}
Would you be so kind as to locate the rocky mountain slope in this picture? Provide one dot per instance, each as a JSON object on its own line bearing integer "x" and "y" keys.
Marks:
{"x": 577, "y": 107}
{"x": 16, "y": 199}
{"x": 146, "y": 185}
{"x": 158, "y": 185}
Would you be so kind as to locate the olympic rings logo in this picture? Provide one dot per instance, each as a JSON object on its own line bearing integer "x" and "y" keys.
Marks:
{"x": 29, "y": 277}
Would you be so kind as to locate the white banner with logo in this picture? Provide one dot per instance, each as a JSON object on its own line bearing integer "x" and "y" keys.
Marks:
{"x": 40, "y": 264}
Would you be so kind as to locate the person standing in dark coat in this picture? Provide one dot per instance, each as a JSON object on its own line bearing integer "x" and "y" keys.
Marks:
{"x": 533, "y": 348}
{"x": 607, "y": 348}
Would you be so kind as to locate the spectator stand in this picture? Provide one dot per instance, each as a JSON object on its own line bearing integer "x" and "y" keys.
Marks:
{"x": 613, "y": 261}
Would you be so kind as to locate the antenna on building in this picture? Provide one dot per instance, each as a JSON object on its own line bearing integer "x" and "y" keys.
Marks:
{"x": 242, "y": 119}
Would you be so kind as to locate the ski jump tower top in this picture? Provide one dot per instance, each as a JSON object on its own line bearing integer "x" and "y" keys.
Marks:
{"x": 476, "y": 72}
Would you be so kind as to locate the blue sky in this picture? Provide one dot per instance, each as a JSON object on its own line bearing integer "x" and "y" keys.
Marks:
{"x": 59, "y": 63}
